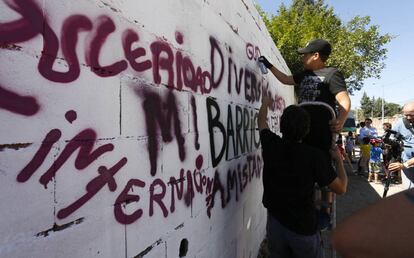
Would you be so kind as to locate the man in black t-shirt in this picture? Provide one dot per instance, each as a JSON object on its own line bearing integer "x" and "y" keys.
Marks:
{"x": 291, "y": 169}
{"x": 317, "y": 82}
{"x": 320, "y": 83}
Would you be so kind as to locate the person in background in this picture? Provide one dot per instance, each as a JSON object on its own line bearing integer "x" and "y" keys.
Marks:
{"x": 375, "y": 161}
{"x": 358, "y": 140}
{"x": 365, "y": 132}
{"x": 368, "y": 130}
{"x": 291, "y": 169}
{"x": 387, "y": 152}
{"x": 340, "y": 145}
{"x": 404, "y": 126}
{"x": 349, "y": 146}
{"x": 365, "y": 154}
{"x": 386, "y": 127}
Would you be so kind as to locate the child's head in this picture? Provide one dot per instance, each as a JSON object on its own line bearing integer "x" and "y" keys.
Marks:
{"x": 350, "y": 134}
{"x": 386, "y": 126}
{"x": 365, "y": 140}
{"x": 375, "y": 142}
{"x": 294, "y": 123}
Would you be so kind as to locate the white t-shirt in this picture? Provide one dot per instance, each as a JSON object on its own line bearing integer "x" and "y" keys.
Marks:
{"x": 370, "y": 132}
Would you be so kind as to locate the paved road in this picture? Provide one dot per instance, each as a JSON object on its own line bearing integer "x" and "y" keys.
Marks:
{"x": 360, "y": 194}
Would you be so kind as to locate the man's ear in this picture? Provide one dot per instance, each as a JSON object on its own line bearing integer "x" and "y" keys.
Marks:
{"x": 316, "y": 56}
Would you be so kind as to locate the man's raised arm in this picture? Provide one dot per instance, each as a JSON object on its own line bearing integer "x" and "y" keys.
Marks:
{"x": 282, "y": 77}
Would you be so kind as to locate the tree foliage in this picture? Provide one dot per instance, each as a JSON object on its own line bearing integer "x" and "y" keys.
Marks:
{"x": 366, "y": 105}
{"x": 358, "y": 47}
{"x": 372, "y": 107}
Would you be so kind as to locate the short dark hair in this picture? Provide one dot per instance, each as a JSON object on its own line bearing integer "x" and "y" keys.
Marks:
{"x": 368, "y": 119}
{"x": 388, "y": 125}
{"x": 294, "y": 123}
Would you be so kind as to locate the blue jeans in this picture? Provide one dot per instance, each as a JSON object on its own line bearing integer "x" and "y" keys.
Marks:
{"x": 284, "y": 243}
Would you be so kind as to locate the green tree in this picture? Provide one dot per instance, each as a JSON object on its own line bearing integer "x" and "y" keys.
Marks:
{"x": 377, "y": 107}
{"x": 366, "y": 105}
{"x": 358, "y": 47}
{"x": 372, "y": 107}
{"x": 391, "y": 109}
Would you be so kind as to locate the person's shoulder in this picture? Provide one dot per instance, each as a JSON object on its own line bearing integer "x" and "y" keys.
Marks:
{"x": 328, "y": 70}
{"x": 331, "y": 73}
{"x": 298, "y": 76}
{"x": 398, "y": 126}
{"x": 331, "y": 69}
{"x": 398, "y": 123}
{"x": 266, "y": 133}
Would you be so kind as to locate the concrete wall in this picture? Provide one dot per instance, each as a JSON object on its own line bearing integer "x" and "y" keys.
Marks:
{"x": 129, "y": 127}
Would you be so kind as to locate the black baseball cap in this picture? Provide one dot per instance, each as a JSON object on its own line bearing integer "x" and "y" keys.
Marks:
{"x": 317, "y": 45}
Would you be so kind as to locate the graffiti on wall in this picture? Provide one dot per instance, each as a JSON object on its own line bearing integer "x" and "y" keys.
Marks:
{"x": 168, "y": 66}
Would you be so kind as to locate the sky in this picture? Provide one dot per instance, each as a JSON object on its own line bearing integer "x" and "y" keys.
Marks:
{"x": 393, "y": 17}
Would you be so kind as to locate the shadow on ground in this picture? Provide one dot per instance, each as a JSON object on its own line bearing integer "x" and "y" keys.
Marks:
{"x": 359, "y": 195}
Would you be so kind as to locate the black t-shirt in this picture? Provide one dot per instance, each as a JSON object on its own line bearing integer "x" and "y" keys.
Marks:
{"x": 289, "y": 175}
{"x": 319, "y": 85}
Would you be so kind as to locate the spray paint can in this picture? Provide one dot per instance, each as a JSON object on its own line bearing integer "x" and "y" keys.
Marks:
{"x": 262, "y": 67}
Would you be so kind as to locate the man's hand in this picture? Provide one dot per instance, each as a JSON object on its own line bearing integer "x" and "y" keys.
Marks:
{"x": 336, "y": 125}
{"x": 395, "y": 166}
{"x": 266, "y": 62}
{"x": 266, "y": 100}
{"x": 282, "y": 77}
